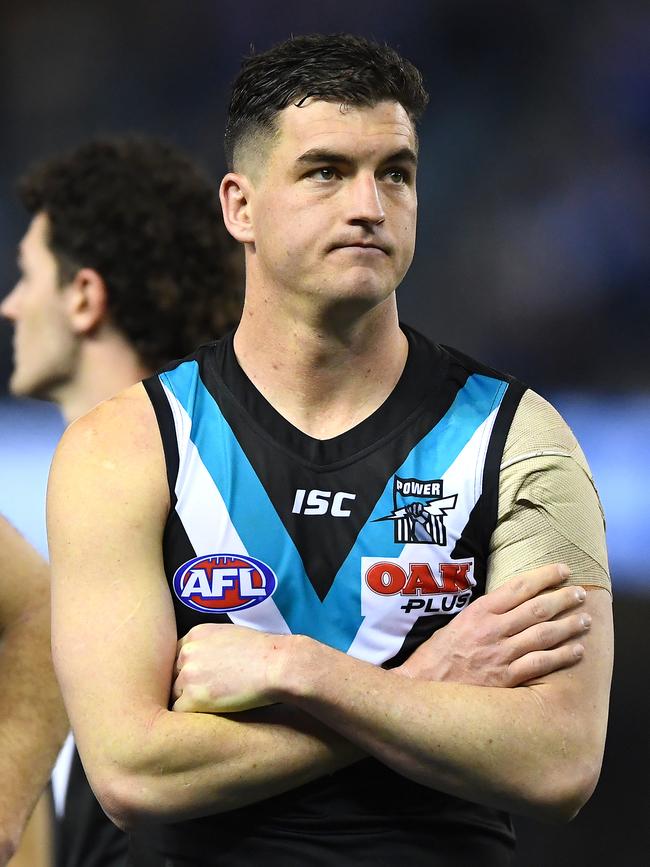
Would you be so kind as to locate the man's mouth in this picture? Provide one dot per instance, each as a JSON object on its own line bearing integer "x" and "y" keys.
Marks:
{"x": 361, "y": 245}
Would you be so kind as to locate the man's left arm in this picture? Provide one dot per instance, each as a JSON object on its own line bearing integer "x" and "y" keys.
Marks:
{"x": 535, "y": 749}
{"x": 33, "y": 722}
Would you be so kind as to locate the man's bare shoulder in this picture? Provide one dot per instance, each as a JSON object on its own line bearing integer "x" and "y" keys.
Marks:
{"x": 114, "y": 452}
{"x": 124, "y": 424}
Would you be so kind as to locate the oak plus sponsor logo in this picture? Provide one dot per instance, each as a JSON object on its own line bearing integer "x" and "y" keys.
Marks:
{"x": 219, "y": 583}
{"x": 423, "y": 587}
{"x": 419, "y": 511}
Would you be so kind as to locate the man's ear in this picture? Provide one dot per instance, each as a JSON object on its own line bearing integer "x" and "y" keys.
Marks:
{"x": 235, "y": 195}
{"x": 87, "y": 301}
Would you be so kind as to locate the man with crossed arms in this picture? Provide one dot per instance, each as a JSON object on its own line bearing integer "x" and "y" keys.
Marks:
{"x": 323, "y": 149}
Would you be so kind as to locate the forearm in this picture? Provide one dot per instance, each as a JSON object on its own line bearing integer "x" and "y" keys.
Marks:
{"x": 500, "y": 747}
{"x": 33, "y": 722}
{"x": 183, "y": 765}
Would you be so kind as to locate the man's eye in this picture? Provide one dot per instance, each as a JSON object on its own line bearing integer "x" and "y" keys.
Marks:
{"x": 325, "y": 174}
{"x": 397, "y": 176}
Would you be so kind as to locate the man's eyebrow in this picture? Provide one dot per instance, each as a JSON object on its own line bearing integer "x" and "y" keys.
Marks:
{"x": 403, "y": 155}
{"x": 322, "y": 155}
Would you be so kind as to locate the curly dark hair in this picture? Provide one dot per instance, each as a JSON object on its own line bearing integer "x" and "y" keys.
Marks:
{"x": 143, "y": 216}
{"x": 336, "y": 68}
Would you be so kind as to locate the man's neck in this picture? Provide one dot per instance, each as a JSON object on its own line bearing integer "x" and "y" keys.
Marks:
{"x": 104, "y": 370}
{"x": 324, "y": 377}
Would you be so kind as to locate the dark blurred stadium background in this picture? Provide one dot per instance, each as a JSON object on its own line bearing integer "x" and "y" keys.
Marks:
{"x": 533, "y": 248}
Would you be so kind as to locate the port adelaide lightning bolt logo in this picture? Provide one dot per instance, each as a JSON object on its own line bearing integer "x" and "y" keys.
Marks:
{"x": 419, "y": 511}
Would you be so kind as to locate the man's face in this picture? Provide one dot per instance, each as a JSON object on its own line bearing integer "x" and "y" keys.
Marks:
{"x": 45, "y": 348}
{"x": 334, "y": 207}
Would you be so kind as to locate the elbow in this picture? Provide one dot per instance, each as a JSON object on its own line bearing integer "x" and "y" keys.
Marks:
{"x": 128, "y": 779}
{"x": 118, "y": 802}
{"x": 128, "y": 801}
{"x": 137, "y": 800}
{"x": 563, "y": 791}
{"x": 578, "y": 791}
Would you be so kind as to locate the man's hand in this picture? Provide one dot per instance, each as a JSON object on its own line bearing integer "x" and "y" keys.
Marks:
{"x": 226, "y": 668}
{"x": 508, "y": 637}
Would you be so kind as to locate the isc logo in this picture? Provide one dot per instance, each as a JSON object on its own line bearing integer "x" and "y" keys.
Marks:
{"x": 218, "y": 583}
{"x": 321, "y": 503}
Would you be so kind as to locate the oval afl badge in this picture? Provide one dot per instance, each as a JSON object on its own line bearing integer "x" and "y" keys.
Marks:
{"x": 218, "y": 583}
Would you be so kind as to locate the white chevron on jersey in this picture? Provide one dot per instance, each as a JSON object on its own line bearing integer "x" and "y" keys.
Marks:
{"x": 206, "y": 521}
{"x": 381, "y": 634}
{"x": 385, "y": 624}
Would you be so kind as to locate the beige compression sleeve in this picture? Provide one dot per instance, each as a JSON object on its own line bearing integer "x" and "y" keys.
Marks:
{"x": 549, "y": 509}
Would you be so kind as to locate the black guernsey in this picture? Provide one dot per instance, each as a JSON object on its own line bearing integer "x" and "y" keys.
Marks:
{"x": 369, "y": 542}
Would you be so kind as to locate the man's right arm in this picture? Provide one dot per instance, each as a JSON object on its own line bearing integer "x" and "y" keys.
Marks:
{"x": 32, "y": 718}
{"x": 114, "y": 641}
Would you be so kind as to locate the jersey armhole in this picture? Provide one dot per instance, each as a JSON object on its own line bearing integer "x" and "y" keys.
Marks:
{"x": 167, "y": 427}
{"x": 494, "y": 458}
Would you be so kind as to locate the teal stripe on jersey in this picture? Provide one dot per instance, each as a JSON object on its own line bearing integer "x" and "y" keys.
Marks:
{"x": 428, "y": 460}
{"x": 337, "y": 619}
{"x": 249, "y": 507}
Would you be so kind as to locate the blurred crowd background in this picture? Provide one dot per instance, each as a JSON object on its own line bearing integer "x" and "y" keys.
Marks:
{"x": 533, "y": 251}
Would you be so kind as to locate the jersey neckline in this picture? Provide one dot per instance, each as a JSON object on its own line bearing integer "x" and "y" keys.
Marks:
{"x": 406, "y": 398}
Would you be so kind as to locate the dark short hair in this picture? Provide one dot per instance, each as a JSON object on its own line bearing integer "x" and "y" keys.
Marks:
{"x": 336, "y": 68}
{"x": 143, "y": 216}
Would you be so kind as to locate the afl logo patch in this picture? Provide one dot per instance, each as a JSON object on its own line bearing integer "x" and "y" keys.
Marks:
{"x": 218, "y": 583}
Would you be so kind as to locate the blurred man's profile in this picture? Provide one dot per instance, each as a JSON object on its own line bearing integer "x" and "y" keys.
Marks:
{"x": 125, "y": 265}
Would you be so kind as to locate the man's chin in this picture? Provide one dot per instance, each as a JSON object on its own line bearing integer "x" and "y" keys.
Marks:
{"x": 20, "y": 387}
{"x": 365, "y": 287}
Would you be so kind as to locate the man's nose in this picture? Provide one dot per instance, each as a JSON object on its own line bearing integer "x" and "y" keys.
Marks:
{"x": 366, "y": 203}
{"x": 8, "y": 305}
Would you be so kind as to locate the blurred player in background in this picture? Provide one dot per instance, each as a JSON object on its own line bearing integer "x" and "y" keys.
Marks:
{"x": 33, "y": 722}
{"x": 124, "y": 266}
{"x": 322, "y": 497}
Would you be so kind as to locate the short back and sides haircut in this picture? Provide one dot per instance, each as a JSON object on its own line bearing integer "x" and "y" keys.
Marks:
{"x": 142, "y": 215}
{"x": 341, "y": 68}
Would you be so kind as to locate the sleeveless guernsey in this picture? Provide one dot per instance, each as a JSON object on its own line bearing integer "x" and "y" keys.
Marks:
{"x": 368, "y": 542}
